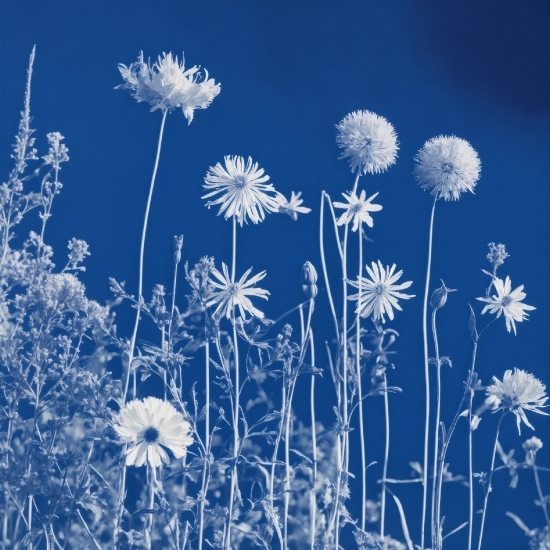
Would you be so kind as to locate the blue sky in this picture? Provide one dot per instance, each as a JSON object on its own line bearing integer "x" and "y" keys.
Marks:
{"x": 289, "y": 71}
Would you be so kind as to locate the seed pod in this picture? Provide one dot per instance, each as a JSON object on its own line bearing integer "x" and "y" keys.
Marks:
{"x": 309, "y": 274}
{"x": 178, "y": 243}
{"x": 439, "y": 296}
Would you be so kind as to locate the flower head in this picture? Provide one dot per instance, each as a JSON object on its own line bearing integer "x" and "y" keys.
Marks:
{"x": 149, "y": 427}
{"x": 292, "y": 207}
{"x": 379, "y": 294}
{"x": 531, "y": 446}
{"x": 497, "y": 254}
{"x": 357, "y": 209}
{"x": 166, "y": 85}
{"x": 244, "y": 191}
{"x": 368, "y": 140}
{"x": 447, "y": 165}
{"x": 507, "y": 301}
{"x": 230, "y": 295}
{"x": 519, "y": 391}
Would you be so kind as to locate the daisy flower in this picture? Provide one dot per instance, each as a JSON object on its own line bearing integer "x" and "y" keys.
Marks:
{"x": 243, "y": 188}
{"x": 519, "y": 392}
{"x": 379, "y": 294}
{"x": 292, "y": 207}
{"x": 447, "y": 165}
{"x": 368, "y": 140}
{"x": 229, "y": 295}
{"x": 357, "y": 209}
{"x": 149, "y": 427}
{"x": 166, "y": 85}
{"x": 507, "y": 301}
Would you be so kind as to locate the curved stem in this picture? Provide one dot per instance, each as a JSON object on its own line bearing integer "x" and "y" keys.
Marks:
{"x": 435, "y": 512}
{"x": 470, "y": 457}
{"x": 386, "y": 458}
{"x": 488, "y": 485}
{"x": 541, "y": 496}
{"x": 312, "y": 496}
{"x": 427, "y": 379}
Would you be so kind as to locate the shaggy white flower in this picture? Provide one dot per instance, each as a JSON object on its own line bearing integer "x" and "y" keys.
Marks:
{"x": 357, "y": 209}
{"x": 244, "y": 191}
{"x": 166, "y": 85}
{"x": 507, "y": 301}
{"x": 292, "y": 207}
{"x": 368, "y": 140}
{"x": 150, "y": 426}
{"x": 379, "y": 294}
{"x": 519, "y": 392}
{"x": 447, "y": 165}
{"x": 230, "y": 295}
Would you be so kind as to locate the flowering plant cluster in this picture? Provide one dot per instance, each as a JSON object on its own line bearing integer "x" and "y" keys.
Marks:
{"x": 193, "y": 439}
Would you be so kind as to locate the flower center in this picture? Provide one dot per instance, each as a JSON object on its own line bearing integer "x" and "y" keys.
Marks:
{"x": 379, "y": 289}
{"x": 240, "y": 182}
{"x": 151, "y": 434}
{"x": 506, "y": 301}
{"x": 356, "y": 208}
{"x": 367, "y": 142}
{"x": 233, "y": 288}
{"x": 447, "y": 167}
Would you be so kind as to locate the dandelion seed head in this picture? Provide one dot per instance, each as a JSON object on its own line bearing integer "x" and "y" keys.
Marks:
{"x": 368, "y": 140}
{"x": 447, "y": 166}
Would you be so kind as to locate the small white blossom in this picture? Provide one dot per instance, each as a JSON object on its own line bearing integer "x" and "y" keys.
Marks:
{"x": 166, "y": 85}
{"x": 519, "y": 392}
{"x": 447, "y": 165}
{"x": 531, "y": 446}
{"x": 292, "y": 207}
{"x": 368, "y": 140}
{"x": 357, "y": 209}
{"x": 230, "y": 295}
{"x": 149, "y": 427}
{"x": 244, "y": 191}
{"x": 379, "y": 294}
{"x": 507, "y": 301}
{"x": 57, "y": 152}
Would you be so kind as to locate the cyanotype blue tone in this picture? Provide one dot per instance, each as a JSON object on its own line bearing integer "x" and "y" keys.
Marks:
{"x": 331, "y": 210}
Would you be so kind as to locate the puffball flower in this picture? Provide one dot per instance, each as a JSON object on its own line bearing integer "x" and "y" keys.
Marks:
{"x": 357, "y": 209}
{"x": 149, "y": 427}
{"x": 447, "y": 165}
{"x": 368, "y": 140}
{"x": 166, "y": 85}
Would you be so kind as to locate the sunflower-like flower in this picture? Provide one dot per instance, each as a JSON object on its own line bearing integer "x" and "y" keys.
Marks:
{"x": 244, "y": 191}
{"x": 507, "y": 301}
{"x": 293, "y": 206}
{"x": 518, "y": 392}
{"x": 166, "y": 85}
{"x": 230, "y": 295}
{"x": 357, "y": 209}
{"x": 149, "y": 427}
{"x": 368, "y": 140}
{"x": 379, "y": 294}
{"x": 447, "y": 165}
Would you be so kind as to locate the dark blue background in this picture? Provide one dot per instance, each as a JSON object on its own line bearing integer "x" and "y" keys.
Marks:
{"x": 289, "y": 71}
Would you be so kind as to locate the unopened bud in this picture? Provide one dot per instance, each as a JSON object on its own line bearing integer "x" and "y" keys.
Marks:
{"x": 309, "y": 274}
{"x": 178, "y": 243}
{"x": 439, "y": 296}
{"x": 310, "y": 291}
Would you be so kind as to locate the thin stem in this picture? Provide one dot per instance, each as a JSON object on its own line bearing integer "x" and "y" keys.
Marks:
{"x": 427, "y": 379}
{"x": 470, "y": 458}
{"x": 386, "y": 457}
{"x": 312, "y": 496}
{"x": 435, "y": 513}
{"x": 488, "y": 483}
{"x": 204, "y": 487}
{"x": 541, "y": 496}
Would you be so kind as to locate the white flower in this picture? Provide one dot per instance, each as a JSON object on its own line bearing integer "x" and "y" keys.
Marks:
{"x": 245, "y": 193}
{"x": 231, "y": 295}
{"x": 379, "y": 293}
{"x": 166, "y": 85}
{"x": 519, "y": 391}
{"x": 507, "y": 301}
{"x": 150, "y": 426}
{"x": 357, "y": 209}
{"x": 292, "y": 207}
{"x": 368, "y": 140}
{"x": 447, "y": 165}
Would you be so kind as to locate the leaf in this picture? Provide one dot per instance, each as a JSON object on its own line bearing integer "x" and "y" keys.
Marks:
{"x": 403, "y": 522}
{"x": 472, "y": 325}
{"x": 302, "y": 455}
{"x": 520, "y": 523}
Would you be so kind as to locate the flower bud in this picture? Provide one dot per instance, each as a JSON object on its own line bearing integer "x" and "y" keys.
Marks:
{"x": 309, "y": 274}
{"x": 439, "y": 296}
{"x": 310, "y": 291}
{"x": 178, "y": 243}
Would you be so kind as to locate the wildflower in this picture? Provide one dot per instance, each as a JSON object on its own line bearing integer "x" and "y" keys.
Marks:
{"x": 368, "y": 140}
{"x": 57, "y": 152}
{"x": 309, "y": 278}
{"x": 507, "y": 301}
{"x": 519, "y": 391}
{"x": 166, "y": 85}
{"x": 149, "y": 427}
{"x": 531, "y": 446}
{"x": 292, "y": 207}
{"x": 78, "y": 250}
{"x": 245, "y": 192}
{"x": 379, "y": 293}
{"x": 439, "y": 296}
{"x": 231, "y": 295}
{"x": 357, "y": 209}
{"x": 497, "y": 254}
{"x": 448, "y": 166}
